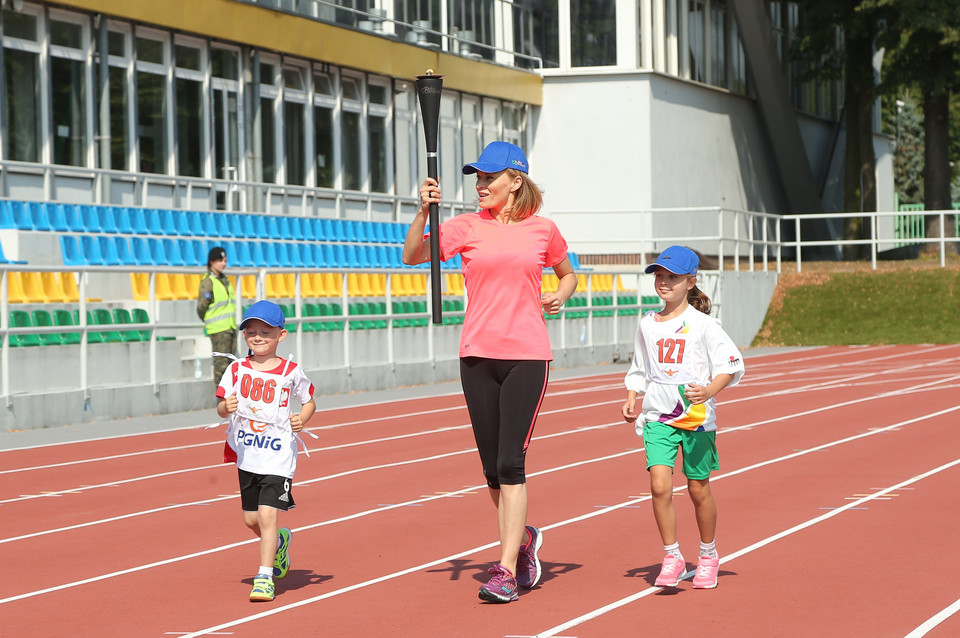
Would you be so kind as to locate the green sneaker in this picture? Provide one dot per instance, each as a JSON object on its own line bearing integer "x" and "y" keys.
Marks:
{"x": 262, "y": 591}
{"x": 282, "y": 561}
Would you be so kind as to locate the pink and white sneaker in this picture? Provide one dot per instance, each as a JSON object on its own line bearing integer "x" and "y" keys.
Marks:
{"x": 707, "y": 570}
{"x": 671, "y": 571}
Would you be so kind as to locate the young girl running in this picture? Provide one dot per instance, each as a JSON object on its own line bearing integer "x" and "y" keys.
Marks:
{"x": 681, "y": 360}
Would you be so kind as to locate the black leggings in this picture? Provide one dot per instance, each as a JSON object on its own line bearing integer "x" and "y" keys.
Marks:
{"x": 503, "y": 398}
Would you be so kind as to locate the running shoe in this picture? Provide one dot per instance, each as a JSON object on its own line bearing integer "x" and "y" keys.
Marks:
{"x": 281, "y": 563}
{"x": 671, "y": 571}
{"x": 502, "y": 588}
{"x": 528, "y": 564}
{"x": 707, "y": 570}
{"x": 262, "y": 591}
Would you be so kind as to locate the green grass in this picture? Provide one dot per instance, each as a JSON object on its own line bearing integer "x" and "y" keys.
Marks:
{"x": 906, "y": 306}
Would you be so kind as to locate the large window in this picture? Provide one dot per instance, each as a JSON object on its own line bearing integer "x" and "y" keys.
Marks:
{"x": 324, "y": 102}
{"x": 189, "y": 58}
{"x": 152, "y": 58}
{"x": 294, "y": 122}
{"x": 68, "y": 83}
{"x": 378, "y": 138}
{"x": 225, "y": 115}
{"x": 268, "y": 119}
{"x": 718, "y": 43}
{"x": 119, "y": 60}
{"x": 545, "y": 40}
{"x": 696, "y": 40}
{"x": 21, "y": 68}
{"x": 351, "y": 133}
{"x": 470, "y": 119}
{"x": 407, "y": 169}
{"x": 593, "y": 32}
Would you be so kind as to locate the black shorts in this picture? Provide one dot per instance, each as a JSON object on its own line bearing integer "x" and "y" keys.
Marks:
{"x": 503, "y": 398}
{"x": 266, "y": 490}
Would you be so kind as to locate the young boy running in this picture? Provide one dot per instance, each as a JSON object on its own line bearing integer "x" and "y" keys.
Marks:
{"x": 255, "y": 393}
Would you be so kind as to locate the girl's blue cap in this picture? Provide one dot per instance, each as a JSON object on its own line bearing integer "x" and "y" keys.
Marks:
{"x": 497, "y": 157}
{"x": 679, "y": 260}
{"x": 267, "y": 312}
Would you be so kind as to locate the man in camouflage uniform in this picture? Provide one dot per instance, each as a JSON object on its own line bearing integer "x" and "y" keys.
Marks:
{"x": 216, "y": 306}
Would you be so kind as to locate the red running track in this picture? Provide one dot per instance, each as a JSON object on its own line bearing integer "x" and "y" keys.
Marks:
{"x": 837, "y": 500}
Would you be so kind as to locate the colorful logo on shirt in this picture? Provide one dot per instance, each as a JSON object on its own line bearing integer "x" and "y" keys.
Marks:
{"x": 683, "y": 329}
{"x": 670, "y": 373}
{"x": 734, "y": 361}
{"x": 258, "y": 426}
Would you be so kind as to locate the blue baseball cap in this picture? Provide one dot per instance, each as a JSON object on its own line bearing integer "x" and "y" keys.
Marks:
{"x": 679, "y": 260}
{"x": 497, "y": 157}
{"x": 267, "y": 312}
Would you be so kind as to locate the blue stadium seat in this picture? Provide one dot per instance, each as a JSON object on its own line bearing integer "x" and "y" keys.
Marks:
{"x": 297, "y": 230}
{"x": 90, "y": 218}
{"x": 286, "y": 253}
{"x": 165, "y": 221}
{"x": 174, "y": 251}
{"x": 574, "y": 260}
{"x": 238, "y": 253}
{"x": 39, "y": 215}
{"x": 327, "y": 256}
{"x": 108, "y": 221}
{"x": 350, "y": 230}
{"x": 108, "y": 250}
{"x": 158, "y": 251}
{"x": 283, "y": 226}
{"x": 384, "y": 258}
{"x": 192, "y": 226}
{"x": 6, "y": 217}
{"x": 138, "y": 221}
{"x": 269, "y": 255}
{"x": 154, "y": 221}
{"x": 20, "y": 215}
{"x": 90, "y": 250}
{"x": 208, "y": 224}
{"x": 70, "y": 251}
{"x": 271, "y": 225}
{"x": 326, "y": 231}
{"x": 58, "y": 222}
{"x": 71, "y": 217}
{"x": 400, "y": 232}
{"x": 124, "y": 220}
{"x": 247, "y": 226}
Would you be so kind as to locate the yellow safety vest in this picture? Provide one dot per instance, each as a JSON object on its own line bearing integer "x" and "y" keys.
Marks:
{"x": 222, "y": 313}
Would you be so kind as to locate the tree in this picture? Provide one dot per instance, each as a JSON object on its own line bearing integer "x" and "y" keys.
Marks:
{"x": 922, "y": 39}
{"x": 837, "y": 41}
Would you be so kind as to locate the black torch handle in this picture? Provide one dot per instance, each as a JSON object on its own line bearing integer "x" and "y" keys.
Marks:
{"x": 429, "y": 90}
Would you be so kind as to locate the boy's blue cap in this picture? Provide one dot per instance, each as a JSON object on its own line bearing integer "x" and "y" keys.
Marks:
{"x": 679, "y": 260}
{"x": 497, "y": 157}
{"x": 267, "y": 312}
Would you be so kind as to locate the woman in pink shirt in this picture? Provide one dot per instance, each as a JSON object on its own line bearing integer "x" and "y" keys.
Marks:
{"x": 504, "y": 348}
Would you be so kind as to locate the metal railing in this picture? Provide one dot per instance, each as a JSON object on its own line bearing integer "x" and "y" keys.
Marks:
{"x": 469, "y": 29}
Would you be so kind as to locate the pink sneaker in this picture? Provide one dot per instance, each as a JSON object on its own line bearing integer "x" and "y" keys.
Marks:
{"x": 671, "y": 571}
{"x": 706, "y": 576}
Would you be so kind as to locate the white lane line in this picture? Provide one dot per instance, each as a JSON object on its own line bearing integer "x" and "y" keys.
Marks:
{"x": 934, "y": 620}
{"x": 556, "y": 630}
{"x": 746, "y": 550}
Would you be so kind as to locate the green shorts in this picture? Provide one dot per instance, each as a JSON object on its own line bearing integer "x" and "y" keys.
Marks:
{"x": 662, "y": 442}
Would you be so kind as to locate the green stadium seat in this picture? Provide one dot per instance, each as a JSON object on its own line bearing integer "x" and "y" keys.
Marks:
{"x": 122, "y": 316}
{"x": 42, "y": 318}
{"x": 311, "y": 310}
{"x": 62, "y": 318}
{"x": 92, "y": 336}
{"x": 21, "y": 319}
{"x": 102, "y": 317}
{"x": 139, "y": 315}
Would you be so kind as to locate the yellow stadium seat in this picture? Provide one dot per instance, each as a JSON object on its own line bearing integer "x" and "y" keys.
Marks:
{"x": 51, "y": 289}
{"x": 248, "y": 286}
{"x": 353, "y": 285}
{"x": 400, "y": 286}
{"x": 418, "y": 285}
{"x": 193, "y": 285}
{"x": 549, "y": 283}
{"x": 378, "y": 284}
{"x": 164, "y": 287}
{"x": 332, "y": 284}
{"x": 178, "y": 285}
{"x": 23, "y": 287}
{"x": 455, "y": 284}
{"x": 279, "y": 286}
{"x": 69, "y": 284}
{"x": 140, "y": 284}
{"x": 310, "y": 285}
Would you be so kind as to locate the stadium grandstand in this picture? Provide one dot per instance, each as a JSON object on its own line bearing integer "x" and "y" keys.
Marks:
{"x": 136, "y": 135}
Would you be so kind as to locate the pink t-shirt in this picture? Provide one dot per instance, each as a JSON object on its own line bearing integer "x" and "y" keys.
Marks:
{"x": 502, "y": 269}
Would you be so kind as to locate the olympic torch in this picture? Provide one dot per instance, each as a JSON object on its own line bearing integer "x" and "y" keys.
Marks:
{"x": 429, "y": 90}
